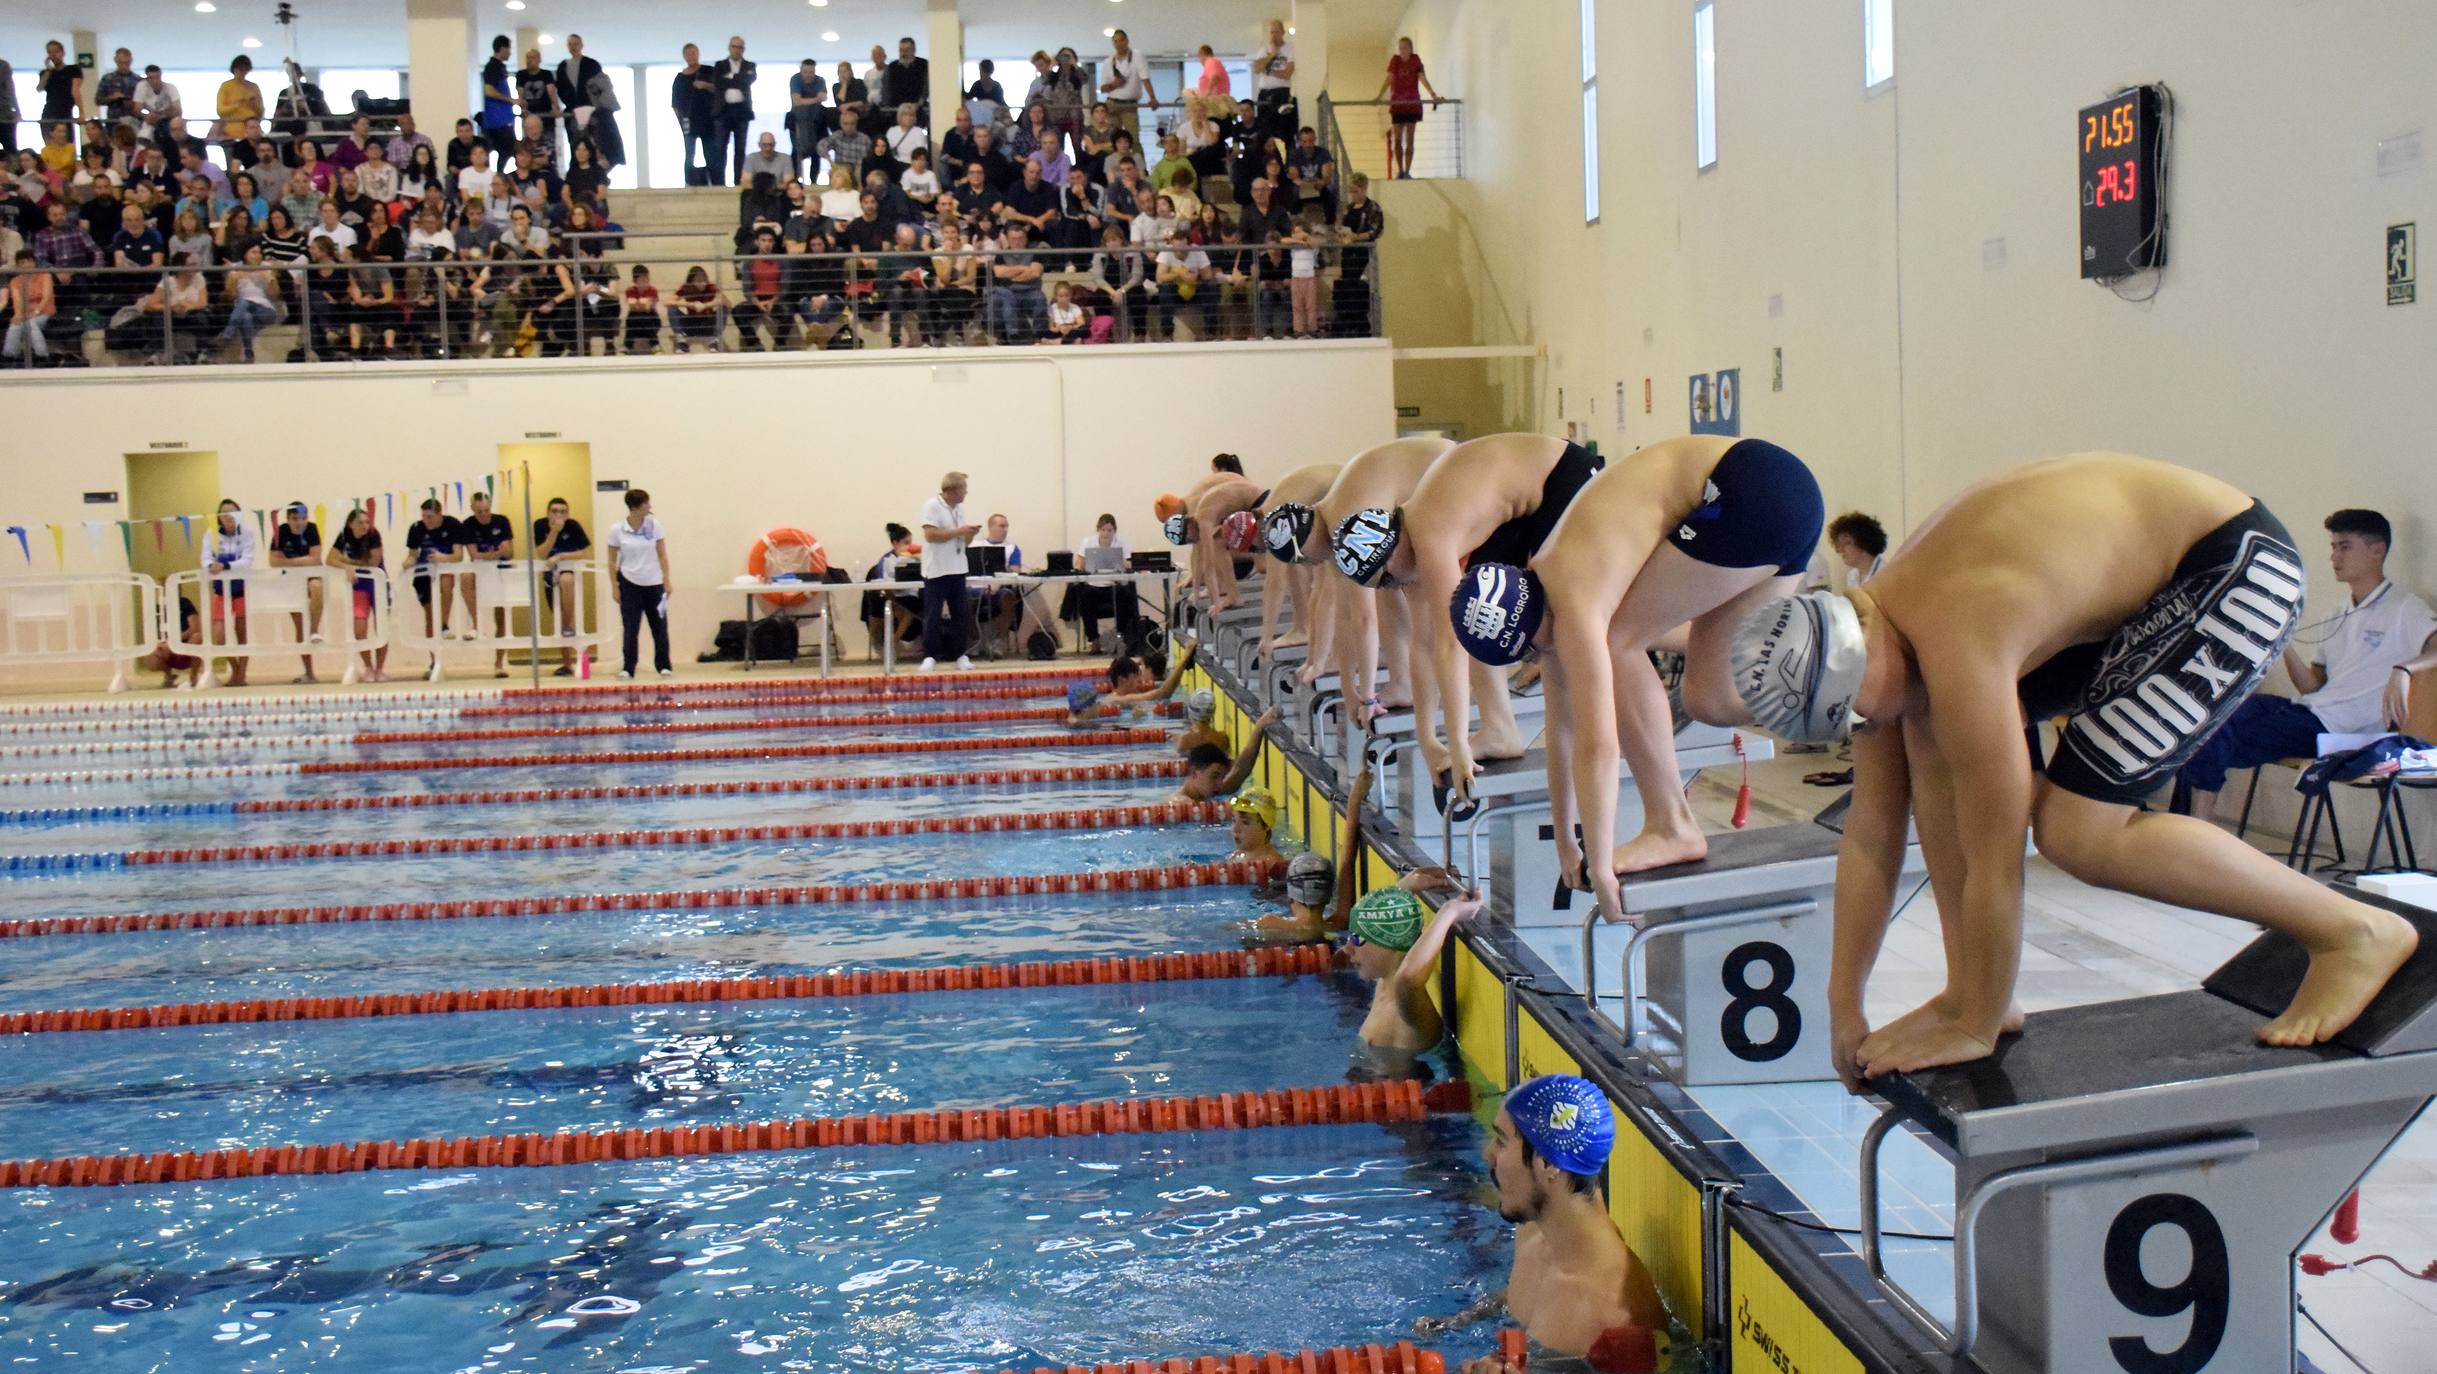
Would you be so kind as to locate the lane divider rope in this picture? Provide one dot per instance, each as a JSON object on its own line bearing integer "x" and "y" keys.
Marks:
{"x": 1234, "y": 873}
{"x": 238, "y": 717}
{"x": 1084, "y": 818}
{"x": 948, "y": 745}
{"x": 1277, "y": 962}
{"x": 701, "y": 727}
{"x": 929, "y": 782}
{"x": 1013, "y": 691}
{"x": 740, "y": 687}
{"x": 1401, "y": 1358}
{"x": 1332, "y": 1105}
{"x": 212, "y": 705}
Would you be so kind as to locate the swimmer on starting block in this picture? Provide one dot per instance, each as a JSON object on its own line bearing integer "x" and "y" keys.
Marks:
{"x": 1370, "y": 633}
{"x": 1491, "y": 500}
{"x": 1390, "y": 944}
{"x": 1211, "y": 774}
{"x": 1286, "y": 527}
{"x": 1224, "y": 525}
{"x": 1698, "y": 529}
{"x": 1251, "y": 816}
{"x": 2141, "y": 600}
{"x": 1583, "y": 1298}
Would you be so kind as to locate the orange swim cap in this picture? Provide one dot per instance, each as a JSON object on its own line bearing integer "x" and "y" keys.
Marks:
{"x": 1169, "y": 505}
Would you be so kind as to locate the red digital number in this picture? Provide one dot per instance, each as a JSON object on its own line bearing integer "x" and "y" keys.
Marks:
{"x": 2108, "y": 193}
{"x": 2132, "y": 180}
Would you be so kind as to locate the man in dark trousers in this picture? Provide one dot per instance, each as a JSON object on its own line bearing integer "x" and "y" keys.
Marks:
{"x": 694, "y": 95}
{"x": 944, "y": 601}
{"x": 735, "y": 138}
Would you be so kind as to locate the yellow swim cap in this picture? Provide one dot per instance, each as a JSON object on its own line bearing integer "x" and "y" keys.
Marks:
{"x": 1257, "y": 804}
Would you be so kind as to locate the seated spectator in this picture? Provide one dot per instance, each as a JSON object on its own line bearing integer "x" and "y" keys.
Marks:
{"x": 252, "y": 292}
{"x": 551, "y": 291}
{"x": 282, "y": 241}
{"x": 956, "y": 283}
{"x": 1183, "y": 274}
{"x": 29, "y": 303}
{"x": 421, "y": 175}
{"x": 904, "y": 608}
{"x": 372, "y": 305}
{"x": 597, "y": 304}
{"x": 523, "y": 235}
{"x": 920, "y": 184}
{"x": 1032, "y": 202}
{"x": 587, "y": 179}
{"x": 849, "y": 147}
{"x": 1313, "y": 173}
{"x": 1117, "y": 277}
{"x": 429, "y": 239}
{"x": 765, "y": 158}
{"x": 1175, "y": 177}
{"x": 381, "y": 240}
{"x": 1078, "y": 223}
{"x": 842, "y": 200}
{"x": 1205, "y": 147}
{"x": 1067, "y": 320}
{"x": 354, "y": 207}
{"x": 907, "y": 135}
{"x": 1094, "y": 151}
{"x": 895, "y": 209}
{"x": 467, "y": 287}
{"x": 694, "y": 316}
{"x": 331, "y": 229}
{"x": 2356, "y": 676}
{"x": 1032, "y": 133}
{"x": 639, "y": 314}
{"x": 243, "y": 193}
{"x": 975, "y": 199}
{"x": 1264, "y": 219}
{"x": 189, "y": 239}
{"x": 232, "y": 236}
{"x": 1122, "y": 150}
{"x": 957, "y": 147}
{"x": 759, "y": 280}
{"x": 762, "y": 205}
{"x": 904, "y": 286}
{"x": 990, "y": 153}
{"x": 1015, "y": 307}
{"x": 1126, "y": 195}
{"x": 1152, "y": 230}
{"x": 474, "y": 179}
{"x": 378, "y": 176}
{"x": 325, "y": 301}
{"x": 818, "y": 284}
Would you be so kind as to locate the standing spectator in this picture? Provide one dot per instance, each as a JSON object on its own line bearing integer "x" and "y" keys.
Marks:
{"x": 160, "y": 113}
{"x": 641, "y": 585}
{"x": 62, "y": 84}
{"x": 1016, "y": 308}
{"x": 114, "y": 96}
{"x": 1273, "y": 72}
{"x": 1303, "y": 283}
{"x": 693, "y": 94}
{"x": 946, "y": 611}
{"x": 909, "y": 82}
{"x": 734, "y": 78}
{"x": 1067, "y": 95}
{"x": 559, "y": 541}
{"x": 1211, "y": 86}
{"x": 498, "y": 109}
{"x": 228, "y": 551}
{"x": 986, "y": 88}
{"x": 296, "y": 542}
{"x": 639, "y": 314}
{"x": 1362, "y": 227}
{"x": 1405, "y": 82}
{"x": 808, "y": 117}
{"x": 694, "y": 316}
{"x": 537, "y": 99}
{"x": 1126, "y": 85}
{"x": 239, "y": 101}
{"x": 591, "y": 101}
{"x": 8, "y": 111}
{"x": 849, "y": 147}
{"x": 358, "y": 546}
{"x": 1314, "y": 173}
{"x": 486, "y": 537}
{"x": 32, "y": 299}
{"x": 766, "y": 157}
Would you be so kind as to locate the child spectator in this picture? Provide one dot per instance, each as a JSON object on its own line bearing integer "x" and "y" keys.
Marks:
{"x": 694, "y": 318}
{"x": 639, "y": 322}
{"x": 1303, "y": 284}
{"x": 1066, "y": 319}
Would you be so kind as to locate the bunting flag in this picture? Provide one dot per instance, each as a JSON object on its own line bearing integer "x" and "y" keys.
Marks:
{"x": 93, "y": 535}
{"x": 460, "y": 495}
{"x": 19, "y": 531}
{"x": 262, "y": 526}
{"x": 490, "y": 490}
{"x": 126, "y": 536}
{"x": 321, "y": 517}
{"x": 159, "y": 536}
{"x": 186, "y": 526}
{"x": 59, "y": 545}
{"x": 392, "y": 499}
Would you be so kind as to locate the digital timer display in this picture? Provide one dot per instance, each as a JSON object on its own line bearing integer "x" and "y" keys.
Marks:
{"x": 2121, "y": 153}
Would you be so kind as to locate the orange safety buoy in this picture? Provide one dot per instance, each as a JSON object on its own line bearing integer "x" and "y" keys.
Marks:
{"x": 786, "y": 551}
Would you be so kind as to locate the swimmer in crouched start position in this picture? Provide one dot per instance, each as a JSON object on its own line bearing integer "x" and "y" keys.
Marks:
{"x": 1391, "y": 946}
{"x": 2140, "y": 600}
{"x": 1583, "y": 1298}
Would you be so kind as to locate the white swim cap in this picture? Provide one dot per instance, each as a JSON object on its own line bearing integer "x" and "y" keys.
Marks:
{"x": 1797, "y": 665}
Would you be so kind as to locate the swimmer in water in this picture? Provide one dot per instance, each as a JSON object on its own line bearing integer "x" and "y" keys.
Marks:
{"x": 1252, "y": 815}
{"x": 1389, "y": 943}
{"x": 1319, "y": 894}
{"x": 1200, "y": 709}
{"x": 1583, "y": 1298}
{"x": 1210, "y": 773}
{"x": 1132, "y": 682}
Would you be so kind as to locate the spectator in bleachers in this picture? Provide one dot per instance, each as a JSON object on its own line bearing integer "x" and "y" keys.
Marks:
{"x": 232, "y": 236}
{"x": 760, "y": 280}
{"x": 694, "y": 314}
{"x": 325, "y": 297}
{"x": 920, "y": 184}
{"x": 1118, "y": 287}
{"x": 591, "y": 101}
{"x": 767, "y": 159}
{"x": 523, "y": 234}
{"x": 694, "y": 99}
{"x": 909, "y": 81}
{"x": 8, "y": 111}
{"x": 809, "y": 118}
{"x": 420, "y": 176}
{"x": 372, "y": 304}
{"x": 375, "y": 177}
{"x": 843, "y": 198}
{"x": 1151, "y": 230}
{"x": 975, "y": 198}
{"x": 1313, "y": 174}
{"x": 1033, "y": 132}
{"x": 639, "y": 314}
{"x": 1099, "y": 141}
{"x": 1016, "y": 308}
{"x": 586, "y": 178}
{"x": 114, "y": 94}
{"x": 849, "y": 147}
{"x": 304, "y": 204}
{"x": 322, "y": 174}
{"x": 850, "y": 93}
{"x": 1204, "y": 143}
{"x": 1183, "y": 274}
{"x": 537, "y": 96}
{"x": 1122, "y": 149}
{"x": 1125, "y": 84}
{"x": 64, "y": 246}
{"x": 906, "y": 137}
{"x": 188, "y": 238}
{"x": 734, "y": 77}
{"x": 956, "y": 280}
{"x": 1126, "y": 195}
{"x": 466, "y": 287}
{"x": 986, "y": 86}
{"x": 1210, "y": 84}
{"x": 252, "y": 292}
{"x": 498, "y": 110}
{"x": 244, "y": 193}
{"x": 956, "y": 148}
{"x": 282, "y": 241}
{"x": 31, "y": 300}
{"x": 1406, "y": 80}
{"x": 400, "y": 146}
{"x": 904, "y": 286}
{"x": 239, "y": 101}
{"x": 1078, "y": 221}
{"x": 1031, "y": 202}
{"x": 1067, "y": 320}
{"x": 355, "y": 149}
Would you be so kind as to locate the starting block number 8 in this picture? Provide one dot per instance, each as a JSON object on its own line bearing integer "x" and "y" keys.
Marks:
{"x": 2205, "y": 1291}
{"x": 1744, "y": 998}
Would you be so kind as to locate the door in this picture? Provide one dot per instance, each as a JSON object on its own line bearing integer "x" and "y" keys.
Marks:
{"x": 164, "y": 486}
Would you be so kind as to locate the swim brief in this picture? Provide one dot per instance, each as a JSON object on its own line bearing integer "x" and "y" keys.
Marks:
{"x": 1761, "y": 508}
{"x": 2141, "y": 704}
{"x": 1518, "y": 539}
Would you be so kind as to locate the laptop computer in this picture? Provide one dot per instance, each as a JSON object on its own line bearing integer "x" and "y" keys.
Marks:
{"x": 1154, "y": 562}
{"x": 1061, "y": 564}
{"x": 909, "y": 570}
{"x": 1099, "y": 558}
{"x": 987, "y": 561}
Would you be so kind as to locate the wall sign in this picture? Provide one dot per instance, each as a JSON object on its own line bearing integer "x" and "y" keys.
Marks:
{"x": 610, "y": 484}
{"x": 1716, "y": 402}
{"x": 2402, "y": 264}
{"x": 101, "y": 498}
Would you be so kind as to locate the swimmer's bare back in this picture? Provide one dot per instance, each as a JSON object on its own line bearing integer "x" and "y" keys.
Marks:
{"x": 1381, "y": 478}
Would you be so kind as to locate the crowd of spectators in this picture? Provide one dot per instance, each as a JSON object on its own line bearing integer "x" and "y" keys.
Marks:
{"x": 1037, "y": 220}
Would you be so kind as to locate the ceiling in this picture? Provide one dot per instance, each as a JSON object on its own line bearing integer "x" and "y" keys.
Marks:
{"x": 371, "y": 33}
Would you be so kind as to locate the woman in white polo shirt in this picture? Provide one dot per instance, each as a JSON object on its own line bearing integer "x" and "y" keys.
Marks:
{"x": 641, "y": 585}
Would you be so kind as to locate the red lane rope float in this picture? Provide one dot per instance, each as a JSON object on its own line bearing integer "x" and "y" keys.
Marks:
{"x": 1159, "y": 968}
{"x": 866, "y": 698}
{"x": 733, "y": 687}
{"x": 1237, "y": 873}
{"x": 929, "y": 782}
{"x": 705, "y": 727}
{"x": 1085, "y": 818}
{"x": 1400, "y": 1358}
{"x": 1333, "y": 1105}
{"x": 1080, "y": 738}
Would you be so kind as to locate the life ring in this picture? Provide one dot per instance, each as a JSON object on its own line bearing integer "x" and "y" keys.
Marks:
{"x": 783, "y": 551}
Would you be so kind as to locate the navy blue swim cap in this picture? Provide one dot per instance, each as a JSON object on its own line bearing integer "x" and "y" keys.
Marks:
{"x": 1497, "y": 609}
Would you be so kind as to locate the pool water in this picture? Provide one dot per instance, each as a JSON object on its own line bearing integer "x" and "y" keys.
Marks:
{"x": 931, "y": 1258}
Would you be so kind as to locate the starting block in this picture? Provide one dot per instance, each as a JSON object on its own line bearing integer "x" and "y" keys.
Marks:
{"x": 2134, "y": 1178}
{"x": 1403, "y": 783}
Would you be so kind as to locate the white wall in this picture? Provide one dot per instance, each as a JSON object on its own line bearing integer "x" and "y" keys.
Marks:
{"x": 728, "y": 447}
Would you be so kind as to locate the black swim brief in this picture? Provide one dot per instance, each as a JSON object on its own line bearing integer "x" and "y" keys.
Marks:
{"x": 1760, "y": 509}
{"x": 1518, "y": 539}
{"x": 2141, "y": 704}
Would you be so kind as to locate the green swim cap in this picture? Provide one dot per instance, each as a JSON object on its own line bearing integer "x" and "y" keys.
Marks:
{"x": 1389, "y": 917}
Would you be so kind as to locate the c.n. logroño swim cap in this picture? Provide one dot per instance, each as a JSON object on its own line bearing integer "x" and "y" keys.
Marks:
{"x": 1566, "y": 1120}
{"x": 1284, "y": 531}
{"x": 1497, "y": 609}
{"x": 1797, "y": 664}
{"x": 1365, "y": 541}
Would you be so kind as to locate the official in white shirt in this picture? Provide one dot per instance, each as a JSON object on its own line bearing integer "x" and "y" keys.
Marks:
{"x": 641, "y": 585}
{"x": 2354, "y": 667}
{"x": 946, "y": 607}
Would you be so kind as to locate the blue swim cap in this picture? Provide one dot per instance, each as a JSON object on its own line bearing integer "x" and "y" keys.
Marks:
{"x": 1497, "y": 609}
{"x": 1080, "y": 698}
{"x": 1566, "y": 1120}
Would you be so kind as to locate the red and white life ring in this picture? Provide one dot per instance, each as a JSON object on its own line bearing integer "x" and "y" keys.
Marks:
{"x": 787, "y": 551}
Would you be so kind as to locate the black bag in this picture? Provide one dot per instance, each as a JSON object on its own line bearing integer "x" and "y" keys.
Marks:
{"x": 1040, "y": 646}
{"x": 774, "y": 638}
{"x": 727, "y": 646}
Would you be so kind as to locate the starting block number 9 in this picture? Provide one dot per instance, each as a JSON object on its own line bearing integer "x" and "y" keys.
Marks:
{"x": 2205, "y": 1291}
{"x": 1744, "y": 998}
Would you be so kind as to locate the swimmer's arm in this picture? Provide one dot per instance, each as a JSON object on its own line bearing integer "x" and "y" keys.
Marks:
{"x": 1976, "y": 726}
{"x": 1349, "y": 851}
{"x": 1251, "y": 755}
{"x": 1559, "y": 744}
{"x": 1481, "y": 1309}
{"x": 1868, "y": 863}
{"x": 1589, "y": 708}
{"x": 1424, "y": 955}
{"x": 1440, "y": 576}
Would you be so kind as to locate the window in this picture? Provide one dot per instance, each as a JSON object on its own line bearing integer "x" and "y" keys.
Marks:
{"x": 339, "y": 85}
{"x": 1590, "y": 118}
{"x": 1705, "y": 85}
{"x": 1878, "y": 43}
{"x": 623, "y": 177}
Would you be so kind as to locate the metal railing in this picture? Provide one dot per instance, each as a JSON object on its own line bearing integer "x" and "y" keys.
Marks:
{"x": 531, "y": 306}
{"x": 1359, "y": 133}
{"x": 78, "y": 618}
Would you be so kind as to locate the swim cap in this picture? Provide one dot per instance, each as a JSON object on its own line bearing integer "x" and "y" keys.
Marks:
{"x": 1257, "y": 804}
{"x": 1366, "y": 540}
{"x": 1178, "y": 528}
{"x": 1168, "y": 505}
{"x": 1389, "y": 917}
{"x": 1497, "y": 609}
{"x": 1284, "y": 531}
{"x": 1311, "y": 879}
{"x": 1081, "y": 697}
{"x": 1242, "y": 532}
{"x": 1565, "y": 1120}
{"x": 1797, "y": 664}
{"x": 1201, "y": 705}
